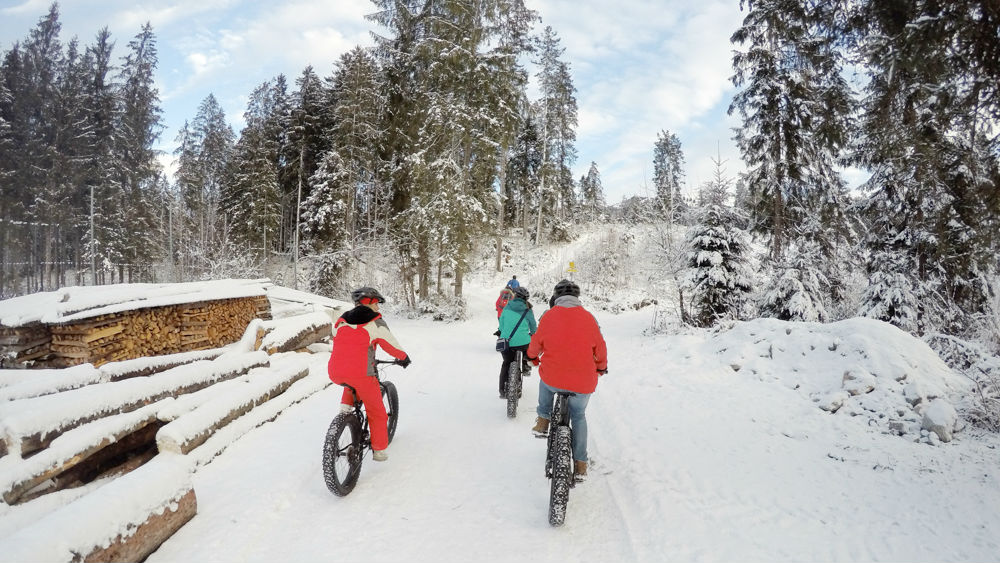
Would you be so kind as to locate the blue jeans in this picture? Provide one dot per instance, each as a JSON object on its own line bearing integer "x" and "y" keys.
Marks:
{"x": 577, "y": 416}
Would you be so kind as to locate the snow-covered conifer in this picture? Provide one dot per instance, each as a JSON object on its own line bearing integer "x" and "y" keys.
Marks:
{"x": 718, "y": 281}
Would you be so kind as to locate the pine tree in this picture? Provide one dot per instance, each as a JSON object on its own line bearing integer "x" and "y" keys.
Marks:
{"x": 795, "y": 106}
{"x": 592, "y": 193}
{"x": 304, "y": 145}
{"x": 523, "y": 168}
{"x": 138, "y": 128}
{"x": 452, "y": 73}
{"x": 203, "y": 153}
{"x": 718, "y": 281}
{"x": 668, "y": 172}
{"x": 797, "y": 292}
{"x": 930, "y": 155}
{"x": 558, "y": 114}
{"x": 251, "y": 197}
{"x": 358, "y": 102}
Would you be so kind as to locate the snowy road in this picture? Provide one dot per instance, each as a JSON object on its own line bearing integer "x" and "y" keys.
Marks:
{"x": 689, "y": 462}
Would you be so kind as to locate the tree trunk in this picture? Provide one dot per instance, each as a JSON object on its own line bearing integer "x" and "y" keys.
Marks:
{"x": 501, "y": 205}
{"x": 423, "y": 266}
{"x": 459, "y": 274}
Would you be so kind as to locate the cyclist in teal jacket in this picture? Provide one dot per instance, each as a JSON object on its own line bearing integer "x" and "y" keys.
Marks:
{"x": 520, "y": 338}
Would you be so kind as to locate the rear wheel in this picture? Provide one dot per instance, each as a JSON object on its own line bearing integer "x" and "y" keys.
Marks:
{"x": 390, "y": 398}
{"x": 342, "y": 454}
{"x": 562, "y": 475}
{"x": 513, "y": 388}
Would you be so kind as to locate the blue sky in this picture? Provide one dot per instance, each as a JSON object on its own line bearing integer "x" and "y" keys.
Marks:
{"x": 640, "y": 66}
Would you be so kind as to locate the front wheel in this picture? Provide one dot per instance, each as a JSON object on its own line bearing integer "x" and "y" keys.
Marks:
{"x": 513, "y": 388}
{"x": 562, "y": 475}
{"x": 390, "y": 398}
{"x": 342, "y": 454}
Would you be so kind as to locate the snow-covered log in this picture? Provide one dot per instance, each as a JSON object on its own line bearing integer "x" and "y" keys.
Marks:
{"x": 294, "y": 333}
{"x": 24, "y": 384}
{"x": 31, "y": 424}
{"x": 19, "y": 476}
{"x": 316, "y": 381}
{"x": 123, "y": 520}
{"x": 194, "y": 428}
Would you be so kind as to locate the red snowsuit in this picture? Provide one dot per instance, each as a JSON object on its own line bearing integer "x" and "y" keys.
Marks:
{"x": 505, "y": 296}
{"x": 355, "y": 335}
{"x": 570, "y": 347}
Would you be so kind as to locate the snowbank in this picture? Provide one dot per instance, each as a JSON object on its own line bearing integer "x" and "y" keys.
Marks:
{"x": 858, "y": 367}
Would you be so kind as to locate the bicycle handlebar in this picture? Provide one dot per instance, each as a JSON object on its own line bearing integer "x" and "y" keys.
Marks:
{"x": 396, "y": 362}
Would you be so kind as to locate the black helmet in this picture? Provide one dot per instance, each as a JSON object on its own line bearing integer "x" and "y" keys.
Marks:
{"x": 566, "y": 287}
{"x": 522, "y": 293}
{"x": 360, "y": 293}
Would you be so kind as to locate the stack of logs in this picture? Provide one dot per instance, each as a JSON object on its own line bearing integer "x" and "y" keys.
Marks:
{"x": 133, "y": 334}
{"x": 20, "y": 345}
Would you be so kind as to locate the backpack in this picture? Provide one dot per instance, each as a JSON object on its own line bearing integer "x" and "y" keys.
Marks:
{"x": 505, "y": 298}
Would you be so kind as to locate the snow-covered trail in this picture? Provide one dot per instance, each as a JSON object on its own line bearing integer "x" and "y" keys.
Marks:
{"x": 689, "y": 462}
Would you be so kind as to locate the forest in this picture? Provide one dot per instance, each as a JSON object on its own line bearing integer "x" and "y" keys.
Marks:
{"x": 419, "y": 152}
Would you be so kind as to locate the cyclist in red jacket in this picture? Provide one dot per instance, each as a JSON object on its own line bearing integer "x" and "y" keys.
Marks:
{"x": 355, "y": 335}
{"x": 571, "y": 350}
{"x": 505, "y": 296}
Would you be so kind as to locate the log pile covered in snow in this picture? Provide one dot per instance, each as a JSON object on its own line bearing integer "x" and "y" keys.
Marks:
{"x": 130, "y": 321}
{"x": 129, "y": 426}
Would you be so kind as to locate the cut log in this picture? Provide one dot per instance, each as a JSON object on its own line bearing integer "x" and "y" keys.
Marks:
{"x": 126, "y": 518}
{"x": 29, "y": 424}
{"x": 191, "y": 430}
{"x": 74, "y": 448}
{"x": 150, "y": 534}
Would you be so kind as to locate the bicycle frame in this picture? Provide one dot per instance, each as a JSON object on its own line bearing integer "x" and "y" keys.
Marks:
{"x": 359, "y": 406}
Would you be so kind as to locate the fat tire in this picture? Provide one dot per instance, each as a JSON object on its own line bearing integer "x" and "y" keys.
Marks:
{"x": 390, "y": 398}
{"x": 513, "y": 388}
{"x": 562, "y": 475}
{"x": 342, "y": 454}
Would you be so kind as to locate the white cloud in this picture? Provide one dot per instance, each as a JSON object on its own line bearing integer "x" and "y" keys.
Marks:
{"x": 641, "y": 67}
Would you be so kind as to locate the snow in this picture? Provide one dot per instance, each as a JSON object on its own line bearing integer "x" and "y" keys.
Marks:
{"x": 709, "y": 445}
{"x": 76, "y": 303}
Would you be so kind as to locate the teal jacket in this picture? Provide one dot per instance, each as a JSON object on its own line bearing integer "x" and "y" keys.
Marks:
{"x": 509, "y": 317}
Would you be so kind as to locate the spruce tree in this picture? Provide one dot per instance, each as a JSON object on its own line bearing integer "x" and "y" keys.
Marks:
{"x": 592, "y": 194}
{"x": 795, "y": 106}
{"x": 668, "y": 173}
{"x": 557, "y": 112}
{"x": 718, "y": 282}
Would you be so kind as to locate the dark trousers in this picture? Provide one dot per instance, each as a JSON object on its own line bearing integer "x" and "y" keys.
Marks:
{"x": 508, "y": 357}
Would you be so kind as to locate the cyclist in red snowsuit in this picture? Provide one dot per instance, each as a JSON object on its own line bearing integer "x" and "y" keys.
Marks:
{"x": 355, "y": 336}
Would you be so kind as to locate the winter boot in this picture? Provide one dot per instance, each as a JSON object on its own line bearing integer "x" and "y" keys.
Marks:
{"x": 380, "y": 455}
{"x": 579, "y": 471}
{"x": 541, "y": 428}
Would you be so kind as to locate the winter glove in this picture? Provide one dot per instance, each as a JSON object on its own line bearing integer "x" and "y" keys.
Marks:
{"x": 497, "y": 333}
{"x": 601, "y": 372}
{"x": 405, "y": 362}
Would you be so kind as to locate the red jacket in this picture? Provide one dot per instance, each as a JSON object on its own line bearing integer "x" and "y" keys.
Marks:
{"x": 505, "y": 296}
{"x": 569, "y": 346}
{"x": 355, "y": 335}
